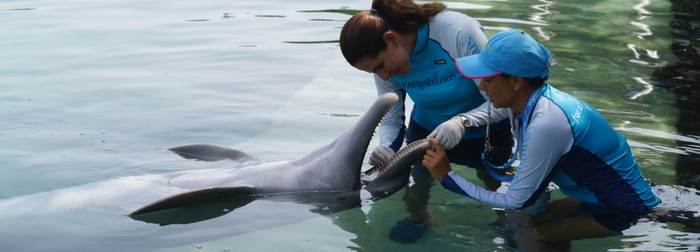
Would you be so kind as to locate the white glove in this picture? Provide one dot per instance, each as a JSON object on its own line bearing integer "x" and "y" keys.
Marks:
{"x": 449, "y": 133}
{"x": 379, "y": 155}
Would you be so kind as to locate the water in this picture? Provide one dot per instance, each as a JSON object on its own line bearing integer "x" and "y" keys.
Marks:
{"x": 96, "y": 91}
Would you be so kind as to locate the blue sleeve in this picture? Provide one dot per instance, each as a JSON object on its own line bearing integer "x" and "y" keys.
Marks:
{"x": 455, "y": 183}
{"x": 537, "y": 161}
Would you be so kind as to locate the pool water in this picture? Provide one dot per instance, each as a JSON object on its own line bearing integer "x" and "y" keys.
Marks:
{"x": 95, "y": 92}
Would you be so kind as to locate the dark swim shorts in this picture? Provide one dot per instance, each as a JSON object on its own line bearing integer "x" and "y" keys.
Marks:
{"x": 610, "y": 218}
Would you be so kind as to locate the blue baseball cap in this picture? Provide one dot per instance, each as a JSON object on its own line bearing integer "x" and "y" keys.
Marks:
{"x": 512, "y": 52}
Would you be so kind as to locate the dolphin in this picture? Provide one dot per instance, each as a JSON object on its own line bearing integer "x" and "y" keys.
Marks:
{"x": 325, "y": 181}
{"x": 334, "y": 168}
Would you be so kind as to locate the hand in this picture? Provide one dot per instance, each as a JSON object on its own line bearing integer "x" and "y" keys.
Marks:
{"x": 449, "y": 133}
{"x": 436, "y": 160}
{"x": 379, "y": 155}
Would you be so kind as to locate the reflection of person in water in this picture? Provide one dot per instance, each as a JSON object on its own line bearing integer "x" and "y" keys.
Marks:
{"x": 683, "y": 78}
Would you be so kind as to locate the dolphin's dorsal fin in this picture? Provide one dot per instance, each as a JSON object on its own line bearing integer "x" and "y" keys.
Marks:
{"x": 196, "y": 197}
{"x": 209, "y": 153}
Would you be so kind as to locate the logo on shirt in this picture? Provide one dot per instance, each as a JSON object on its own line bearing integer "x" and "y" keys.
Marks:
{"x": 429, "y": 82}
{"x": 579, "y": 111}
{"x": 440, "y": 62}
{"x": 473, "y": 47}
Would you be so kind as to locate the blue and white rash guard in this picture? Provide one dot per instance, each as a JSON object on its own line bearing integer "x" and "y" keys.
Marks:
{"x": 436, "y": 87}
{"x": 568, "y": 142}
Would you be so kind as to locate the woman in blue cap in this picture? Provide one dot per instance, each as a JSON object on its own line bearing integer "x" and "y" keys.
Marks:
{"x": 410, "y": 48}
{"x": 560, "y": 139}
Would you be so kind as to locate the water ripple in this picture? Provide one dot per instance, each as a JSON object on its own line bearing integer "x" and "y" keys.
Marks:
{"x": 18, "y": 9}
{"x": 661, "y": 134}
{"x": 512, "y": 21}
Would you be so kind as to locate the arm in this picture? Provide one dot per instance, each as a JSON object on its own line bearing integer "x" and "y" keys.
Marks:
{"x": 394, "y": 121}
{"x": 480, "y": 115}
{"x": 450, "y": 132}
{"x": 533, "y": 174}
{"x": 439, "y": 166}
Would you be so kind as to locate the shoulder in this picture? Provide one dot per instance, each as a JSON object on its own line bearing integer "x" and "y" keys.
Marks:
{"x": 549, "y": 133}
{"x": 452, "y": 21}
{"x": 452, "y": 17}
{"x": 576, "y": 110}
{"x": 459, "y": 34}
{"x": 548, "y": 118}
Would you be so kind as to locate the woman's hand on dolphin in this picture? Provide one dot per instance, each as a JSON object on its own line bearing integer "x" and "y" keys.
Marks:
{"x": 436, "y": 160}
{"x": 379, "y": 155}
{"x": 449, "y": 133}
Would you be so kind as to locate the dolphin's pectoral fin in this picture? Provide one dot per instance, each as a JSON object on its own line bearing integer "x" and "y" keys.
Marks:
{"x": 209, "y": 153}
{"x": 194, "y": 213}
{"x": 196, "y": 197}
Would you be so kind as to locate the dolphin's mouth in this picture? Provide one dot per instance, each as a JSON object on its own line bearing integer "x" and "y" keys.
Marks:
{"x": 399, "y": 163}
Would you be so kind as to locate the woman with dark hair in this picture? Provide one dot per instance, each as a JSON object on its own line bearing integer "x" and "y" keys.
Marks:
{"x": 410, "y": 48}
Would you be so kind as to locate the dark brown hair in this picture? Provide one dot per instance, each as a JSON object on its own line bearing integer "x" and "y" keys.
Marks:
{"x": 534, "y": 82}
{"x": 362, "y": 35}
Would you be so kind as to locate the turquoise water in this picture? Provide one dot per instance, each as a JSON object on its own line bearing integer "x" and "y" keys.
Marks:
{"x": 96, "y": 91}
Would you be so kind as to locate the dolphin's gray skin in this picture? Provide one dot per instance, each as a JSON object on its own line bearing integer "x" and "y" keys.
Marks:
{"x": 332, "y": 168}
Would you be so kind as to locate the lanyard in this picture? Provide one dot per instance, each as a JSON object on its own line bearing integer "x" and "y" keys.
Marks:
{"x": 524, "y": 121}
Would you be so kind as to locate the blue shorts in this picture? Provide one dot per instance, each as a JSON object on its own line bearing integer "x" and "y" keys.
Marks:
{"x": 609, "y": 218}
